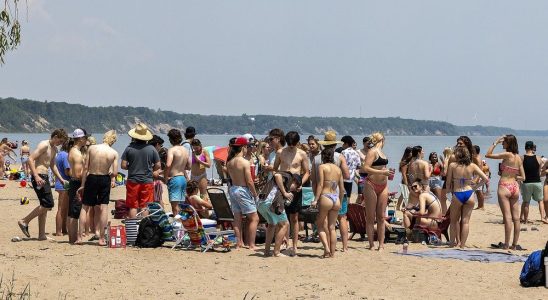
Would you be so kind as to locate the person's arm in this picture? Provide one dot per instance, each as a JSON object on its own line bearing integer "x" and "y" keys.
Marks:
{"x": 367, "y": 168}
{"x": 344, "y": 168}
{"x": 306, "y": 167}
{"x": 114, "y": 171}
{"x": 521, "y": 176}
{"x": 427, "y": 170}
{"x": 342, "y": 191}
{"x": 280, "y": 183}
{"x": 124, "y": 165}
{"x": 207, "y": 162}
{"x": 404, "y": 174}
{"x": 319, "y": 186}
{"x": 169, "y": 162}
{"x": 422, "y": 204}
{"x": 85, "y": 169}
{"x": 483, "y": 177}
{"x": 492, "y": 155}
{"x": 449, "y": 178}
{"x": 277, "y": 161}
{"x": 248, "y": 180}
{"x": 202, "y": 202}
{"x": 540, "y": 163}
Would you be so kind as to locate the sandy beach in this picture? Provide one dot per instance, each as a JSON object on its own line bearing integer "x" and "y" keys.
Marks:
{"x": 56, "y": 270}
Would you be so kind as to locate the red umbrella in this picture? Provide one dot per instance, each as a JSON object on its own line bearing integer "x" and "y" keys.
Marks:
{"x": 220, "y": 154}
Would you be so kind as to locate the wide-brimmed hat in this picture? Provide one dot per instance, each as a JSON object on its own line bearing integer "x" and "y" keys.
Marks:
{"x": 330, "y": 138}
{"x": 140, "y": 132}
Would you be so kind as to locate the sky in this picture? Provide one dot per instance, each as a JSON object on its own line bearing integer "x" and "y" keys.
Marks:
{"x": 465, "y": 62}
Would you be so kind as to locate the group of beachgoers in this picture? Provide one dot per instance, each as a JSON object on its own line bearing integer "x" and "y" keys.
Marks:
{"x": 279, "y": 177}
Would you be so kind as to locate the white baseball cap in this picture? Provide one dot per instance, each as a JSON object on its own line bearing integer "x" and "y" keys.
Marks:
{"x": 79, "y": 133}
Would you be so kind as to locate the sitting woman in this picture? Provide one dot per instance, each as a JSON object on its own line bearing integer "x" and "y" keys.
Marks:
{"x": 201, "y": 206}
{"x": 428, "y": 210}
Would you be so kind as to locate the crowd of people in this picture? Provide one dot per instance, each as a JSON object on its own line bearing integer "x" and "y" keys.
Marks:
{"x": 278, "y": 177}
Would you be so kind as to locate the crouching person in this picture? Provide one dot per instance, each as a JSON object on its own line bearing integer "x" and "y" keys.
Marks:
{"x": 272, "y": 207}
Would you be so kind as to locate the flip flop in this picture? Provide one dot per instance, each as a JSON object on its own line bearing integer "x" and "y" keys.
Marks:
{"x": 519, "y": 248}
{"x": 24, "y": 228}
{"x": 93, "y": 238}
{"x": 500, "y": 245}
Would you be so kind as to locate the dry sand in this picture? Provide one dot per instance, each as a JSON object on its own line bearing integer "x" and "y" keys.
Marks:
{"x": 58, "y": 270}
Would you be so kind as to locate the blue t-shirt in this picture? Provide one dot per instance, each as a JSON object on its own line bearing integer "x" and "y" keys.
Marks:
{"x": 62, "y": 163}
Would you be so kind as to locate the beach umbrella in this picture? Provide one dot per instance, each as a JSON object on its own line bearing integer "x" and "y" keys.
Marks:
{"x": 220, "y": 153}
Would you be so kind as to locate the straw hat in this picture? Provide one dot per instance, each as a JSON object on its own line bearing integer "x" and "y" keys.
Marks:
{"x": 330, "y": 138}
{"x": 140, "y": 132}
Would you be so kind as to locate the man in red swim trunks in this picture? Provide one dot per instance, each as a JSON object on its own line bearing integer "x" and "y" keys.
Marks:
{"x": 141, "y": 160}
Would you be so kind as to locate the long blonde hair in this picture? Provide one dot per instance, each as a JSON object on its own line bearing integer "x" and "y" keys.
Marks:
{"x": 447, "y": 152}
{"x": 376, "y": 137}
{"x": 110, "y": 137}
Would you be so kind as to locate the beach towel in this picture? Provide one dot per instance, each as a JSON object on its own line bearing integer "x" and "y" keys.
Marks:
{"x": 468, "y": 255}
{"x": 158, "y": 216}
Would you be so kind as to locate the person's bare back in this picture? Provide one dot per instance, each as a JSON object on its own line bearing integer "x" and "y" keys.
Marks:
{"x": 177, "y": 162}
{"x": 103, "y": 160}
{"x": 238, "y": 169}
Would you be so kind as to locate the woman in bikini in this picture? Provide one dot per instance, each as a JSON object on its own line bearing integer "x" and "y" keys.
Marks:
{"x": 447, "y": 155}
{"x": 25, "y": 153}
{"x": 460, "y": 180}
{"x": 328, "y": 197}
{"x": 435, "y": 182}
{"x": 376, "y": 189}
{"x": 201, "y": 206}
{"x": 428, "y": 211}
{"x": 417, "y": 168}
{"x": 511, "y": 171}
{"x": 200, "y": 163}
{"x": 361, "y": 181}
{"x": 404, "y": 189}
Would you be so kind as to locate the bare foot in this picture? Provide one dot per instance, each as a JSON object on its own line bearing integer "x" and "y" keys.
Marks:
{"x": 57, "y": 234}
{"x": 370, "y": 247}
{"x": 102, "y": 242}
{"x": 46, "y": 238}
{"x": 279, "y": 255}
{"x": 326, "y": 255}
{"x": 380, "y": 249}
{"x": 544, "y": 221}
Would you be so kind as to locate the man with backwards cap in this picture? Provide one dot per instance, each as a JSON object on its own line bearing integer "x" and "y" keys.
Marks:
{"x": 141, "y": 160}
{"x": 76, "y": 162}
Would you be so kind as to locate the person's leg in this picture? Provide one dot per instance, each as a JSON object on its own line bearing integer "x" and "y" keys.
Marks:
{"x": 545, "y": 220}
{"x": 504, "y": 203}
{"x": 455, "y": 214}
{"x": 370, "y": 213}
{"x": 514, "y": 209}
{"x": 270, "y": 230}
{"x": 325, "y": 206}
{"x": 91, "y": 226}
{"x": 481, "y": 199}
{"x": 101, "y": 219}
{"x": 280, "y": 234}
{"x": 59, "y": 229}
{"x": 42, "y": 224}
{"x": 237, "y": 225}
{"x": 524, "y": 214}
{"x": 252, "y": 222}
{"x": 443, "y": 199}
{"x": 343, "y": 228}
{"x": 380, "y": 212}
{"x": 203, "y": 188}
{"x": 131, "y": 198}
{"x": 466, "y": 213}
{"x": 294, "y": 221}
{"x": 331, "y": 222}
{"x": 83, "y": 221}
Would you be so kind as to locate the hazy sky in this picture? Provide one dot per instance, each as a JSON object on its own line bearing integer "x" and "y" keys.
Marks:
{"x": 466, "y": 62}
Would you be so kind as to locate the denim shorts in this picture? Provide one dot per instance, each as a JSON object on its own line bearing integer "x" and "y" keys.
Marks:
{"x": 435, "y": 182}
{"x": 241, "y": 201}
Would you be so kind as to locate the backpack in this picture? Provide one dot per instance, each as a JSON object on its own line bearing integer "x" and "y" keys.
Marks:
{"x": 150, "y": 234}
{"x": 533, "y": 271}
{"x": 120, "y": 209}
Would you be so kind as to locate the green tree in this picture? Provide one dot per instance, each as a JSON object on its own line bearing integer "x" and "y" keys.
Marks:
{"x": 10, "y": 28}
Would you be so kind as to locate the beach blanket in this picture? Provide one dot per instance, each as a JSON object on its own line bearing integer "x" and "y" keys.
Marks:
{"x": 468, "y": 255}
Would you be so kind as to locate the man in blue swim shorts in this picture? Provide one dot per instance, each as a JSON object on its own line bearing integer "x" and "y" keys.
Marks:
{"x": 177, "y": 163}
{"x": 242, "y": 192}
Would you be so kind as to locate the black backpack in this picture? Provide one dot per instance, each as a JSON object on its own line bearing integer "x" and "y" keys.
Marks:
{"x": 149, "y": 235}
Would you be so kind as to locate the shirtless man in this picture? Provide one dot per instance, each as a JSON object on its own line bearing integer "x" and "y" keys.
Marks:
{"x": 39, "y": 162}
{"x": 76, "y": 161}
{"x": 175, "y": 174}
{"x": 295, "y": 161}
{"x": 418, "y": 168}
{"x": 242, "y": 192}
{"x": 98, "y": 177}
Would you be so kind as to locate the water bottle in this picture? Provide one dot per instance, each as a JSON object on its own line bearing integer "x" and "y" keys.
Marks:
{"x": 405, "y": 247}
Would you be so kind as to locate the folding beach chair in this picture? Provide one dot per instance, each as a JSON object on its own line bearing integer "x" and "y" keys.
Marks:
{"x": 429, "y": 235}
{"x": 196, "y": 235}
{"x": 221, "y": 206}
{"x": 356, "y": 218}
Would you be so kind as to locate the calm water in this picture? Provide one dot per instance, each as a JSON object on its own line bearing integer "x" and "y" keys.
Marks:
{"x": 393, "y": 149}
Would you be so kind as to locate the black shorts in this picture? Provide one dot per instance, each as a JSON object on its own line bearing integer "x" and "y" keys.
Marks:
{"x": 348, "y": 188}
{"x": 296, "y": 204}
{"x": 75, "y": 203}
{"x": 44, "y": 192}
{"x": 97, "y": 190}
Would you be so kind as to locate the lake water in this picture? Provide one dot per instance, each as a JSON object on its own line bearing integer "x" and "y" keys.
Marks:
{"x": 393, "y": 149}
